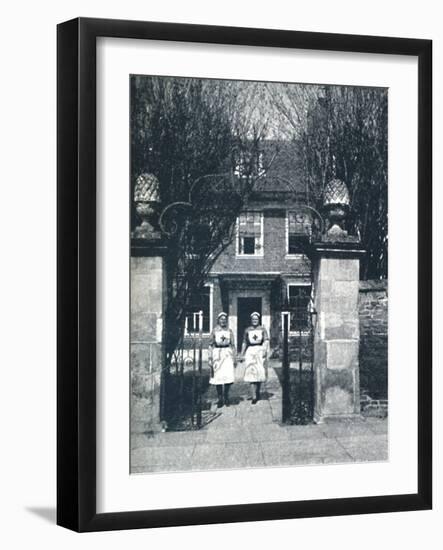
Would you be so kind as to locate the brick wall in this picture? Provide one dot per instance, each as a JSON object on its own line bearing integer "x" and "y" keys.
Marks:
{"x": 373, "y": 314}
{"x": 274, "y": 258}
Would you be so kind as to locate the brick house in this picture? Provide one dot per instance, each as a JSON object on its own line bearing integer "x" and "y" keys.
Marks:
{"x": 265, "y": 264}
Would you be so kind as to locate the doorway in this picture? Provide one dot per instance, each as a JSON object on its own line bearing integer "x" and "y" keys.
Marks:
{"x": 246, "y": 306}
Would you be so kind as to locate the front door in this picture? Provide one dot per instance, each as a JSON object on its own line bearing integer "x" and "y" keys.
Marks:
{"x": 246, "y": 306}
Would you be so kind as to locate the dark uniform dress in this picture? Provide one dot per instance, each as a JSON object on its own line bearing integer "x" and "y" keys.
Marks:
{"x": 256, "y": 341}
{"x": 221, "y": 356}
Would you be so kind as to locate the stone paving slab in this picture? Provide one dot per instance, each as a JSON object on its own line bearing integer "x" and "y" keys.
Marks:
{"x": 377, "y": 425}
{"x": 257, "y": 415}
{"x": 176, "y": 458}
{"x": 312, "y": 432}
{"x": 228, "y": 435}
{"x": 213, "y": 454}
{"x": 170, "y": 466}
{"x": 270, "y": 433}
{"x": 365, "y": 449}
{"x": 169, "y": 439}
{"x": 252, "y": 436}
{"x": 226, "y": 456}
{"x": 275, "y": 410}
{"x": 337, "y": 459}
{"x": 346, "y": 429}
{"x": 303, "y": 452}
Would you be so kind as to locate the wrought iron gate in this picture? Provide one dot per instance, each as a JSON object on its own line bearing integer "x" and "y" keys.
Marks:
{"x": 298, "y": 320}
{"x": 184, "y": 379}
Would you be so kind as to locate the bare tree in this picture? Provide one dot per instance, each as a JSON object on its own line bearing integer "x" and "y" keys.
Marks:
{"x": 341, "y": 132}
{"x": 201, "y": 139}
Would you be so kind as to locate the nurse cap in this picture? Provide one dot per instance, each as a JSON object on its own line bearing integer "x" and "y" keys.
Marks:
{"x": 222, "y": 314}
{"x": 255, "y": 314}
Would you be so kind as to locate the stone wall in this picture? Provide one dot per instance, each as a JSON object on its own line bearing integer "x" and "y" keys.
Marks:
{"x": 336, "y": 340}
{"x": 147, "y": 306}
{"x": 373, "y": 353}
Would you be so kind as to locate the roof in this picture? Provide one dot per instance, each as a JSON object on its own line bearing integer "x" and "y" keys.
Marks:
{"x": 284, "y": 175}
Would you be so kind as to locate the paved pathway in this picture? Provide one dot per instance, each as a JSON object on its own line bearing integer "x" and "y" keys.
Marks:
{"x": 247, "y": 436}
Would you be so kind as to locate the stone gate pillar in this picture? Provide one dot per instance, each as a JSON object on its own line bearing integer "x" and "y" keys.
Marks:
{"x": 148, "y": 303}
{"x": 336, "y": 270}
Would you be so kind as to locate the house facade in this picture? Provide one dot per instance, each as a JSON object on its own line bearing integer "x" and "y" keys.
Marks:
{"x": 265, "y": 266}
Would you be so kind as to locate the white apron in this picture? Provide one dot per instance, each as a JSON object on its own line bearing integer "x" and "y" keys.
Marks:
{"x": 222, "y": 358}
{"x": 255, "y": 363}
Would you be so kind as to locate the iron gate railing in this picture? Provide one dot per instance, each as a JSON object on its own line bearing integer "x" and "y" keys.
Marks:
{"x": 298, "y": 321}
{"x": 183, "y": 381}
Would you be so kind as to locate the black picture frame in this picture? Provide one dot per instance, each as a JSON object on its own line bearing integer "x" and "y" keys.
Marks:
{"x": 76, "y": 295}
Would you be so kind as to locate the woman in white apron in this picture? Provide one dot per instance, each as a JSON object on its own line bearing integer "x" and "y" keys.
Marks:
{"x": 222, "y": 359}
{"x": 255, "y": 353}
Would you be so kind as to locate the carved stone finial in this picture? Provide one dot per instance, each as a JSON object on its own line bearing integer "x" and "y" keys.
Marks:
{"x": 146, "y": 197}
{"x": 336, "y": 205}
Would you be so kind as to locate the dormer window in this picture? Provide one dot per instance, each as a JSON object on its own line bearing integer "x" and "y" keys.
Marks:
{"x": 249, "y": 164}
{"x": 250, "y": 234}
{"x": 261, "y": 164}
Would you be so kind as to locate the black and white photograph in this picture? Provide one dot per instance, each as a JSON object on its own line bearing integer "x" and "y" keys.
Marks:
{"x": 258, "y": 274}
{"x": 219, "y": 285}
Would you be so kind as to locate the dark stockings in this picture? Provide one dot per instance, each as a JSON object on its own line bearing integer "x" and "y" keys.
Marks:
{"x": 255, "y": 387}
{"x": 226, "y": 390}
{"x": 223, "y": 394}
{"x": 219, "y": 395}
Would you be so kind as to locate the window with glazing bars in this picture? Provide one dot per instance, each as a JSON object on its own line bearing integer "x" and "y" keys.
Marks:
{"x": 250, "y": 233}
{"x": 299, "y": 226}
